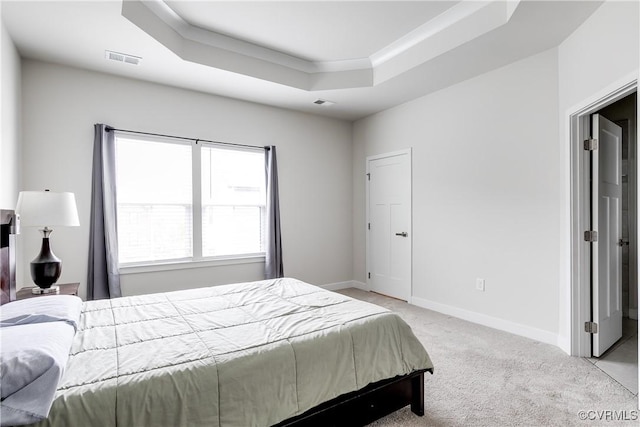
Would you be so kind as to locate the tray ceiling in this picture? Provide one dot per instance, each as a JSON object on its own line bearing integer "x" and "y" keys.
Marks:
{"x": 364, "y": 56}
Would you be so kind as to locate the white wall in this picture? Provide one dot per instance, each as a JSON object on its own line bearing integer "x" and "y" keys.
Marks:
{"x": 601, "y": 51}
{"x": 485, "y": 194}
{"x": 61, "y": 105}
{"x": 9, "y": 121}
{"x": 600, "y": 56}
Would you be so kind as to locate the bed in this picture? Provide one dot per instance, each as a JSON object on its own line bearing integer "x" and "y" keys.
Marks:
{"x": 275, "y": 352}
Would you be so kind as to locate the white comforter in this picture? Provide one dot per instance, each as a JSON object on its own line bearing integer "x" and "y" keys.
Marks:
{"x": 250, "y": 354}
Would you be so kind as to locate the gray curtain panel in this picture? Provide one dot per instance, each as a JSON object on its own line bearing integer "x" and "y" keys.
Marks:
{"x": 103, "y": 278}
{"x": 273, "y": 258}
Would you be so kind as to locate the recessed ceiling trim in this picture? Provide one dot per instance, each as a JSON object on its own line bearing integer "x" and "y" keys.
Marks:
{"x": 140, "y": 15}
{"x": 453, "y": 28}
{"x": 216, "y": 40}
{"x": 447, "y": 19}
{"x": 462, "y": 23}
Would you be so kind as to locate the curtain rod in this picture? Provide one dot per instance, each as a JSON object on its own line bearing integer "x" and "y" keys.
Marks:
{"x": 109, "y": 128}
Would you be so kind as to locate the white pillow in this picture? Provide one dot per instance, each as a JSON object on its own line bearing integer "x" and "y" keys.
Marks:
{"x": 33, "y": 358}
{"x": 50, "y": 308}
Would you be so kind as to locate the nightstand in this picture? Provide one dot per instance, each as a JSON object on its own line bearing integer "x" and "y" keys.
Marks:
{"x": 65, "y": 289}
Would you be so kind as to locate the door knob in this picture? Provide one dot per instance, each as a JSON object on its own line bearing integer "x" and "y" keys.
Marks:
{"x": 403, "y": 234}
{"x": 623, "y": 242}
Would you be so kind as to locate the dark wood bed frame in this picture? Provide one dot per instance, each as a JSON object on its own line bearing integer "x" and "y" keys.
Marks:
{"x": 9, "y": 227}
{"x": 366, "y": 405}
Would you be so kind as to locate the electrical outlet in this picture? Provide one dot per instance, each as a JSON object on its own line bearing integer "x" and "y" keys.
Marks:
{"x": 480, "y": 285}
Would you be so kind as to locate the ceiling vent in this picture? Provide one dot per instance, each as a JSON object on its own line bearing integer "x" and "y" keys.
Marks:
{"x": 323, "y": 102}
{"x": 122, "y": 57}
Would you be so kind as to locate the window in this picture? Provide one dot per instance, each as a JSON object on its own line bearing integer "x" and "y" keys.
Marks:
{"x": 233, "y": 201}
{"x": 187, "y": 202}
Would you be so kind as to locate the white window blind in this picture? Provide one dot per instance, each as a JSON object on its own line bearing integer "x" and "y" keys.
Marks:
{"x": 156, "y": 200}
{"x": 233, "y": 201}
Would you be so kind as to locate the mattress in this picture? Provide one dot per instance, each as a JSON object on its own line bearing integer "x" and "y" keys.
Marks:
{"x": 250, "y": 354}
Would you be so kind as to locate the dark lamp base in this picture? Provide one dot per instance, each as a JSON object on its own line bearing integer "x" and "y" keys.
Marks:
{"x": 46, "y": 268}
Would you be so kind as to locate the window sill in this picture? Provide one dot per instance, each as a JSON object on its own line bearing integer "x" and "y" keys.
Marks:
{"x": 183, "y": 265}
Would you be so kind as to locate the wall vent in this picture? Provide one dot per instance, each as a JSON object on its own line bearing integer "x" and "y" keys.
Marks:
{"x": 122, "y": 57}
{"x": 323, "y": 102}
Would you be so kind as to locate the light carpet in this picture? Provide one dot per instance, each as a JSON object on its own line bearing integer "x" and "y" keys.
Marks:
{"x": 486, "y": 377}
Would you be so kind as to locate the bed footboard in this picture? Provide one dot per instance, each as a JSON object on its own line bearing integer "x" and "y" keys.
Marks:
{"x": 364, "y": 406}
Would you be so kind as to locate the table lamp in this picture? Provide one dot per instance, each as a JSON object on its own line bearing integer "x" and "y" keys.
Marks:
{"x": 43, "y": 209}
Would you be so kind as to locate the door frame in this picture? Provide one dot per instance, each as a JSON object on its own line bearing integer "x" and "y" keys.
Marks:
{"x": 409, "y": 152}
{"x": 580, "y": 212}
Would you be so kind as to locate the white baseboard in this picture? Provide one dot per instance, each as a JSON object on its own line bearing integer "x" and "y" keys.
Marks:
{"x": 492, "y": 322}
{"x": 633, "y": 313}
{"x": 359, "y": 285}
{"x": 564, "y": 343}
{"x": 471, "y": 316}
{"x": 345, "y": 285}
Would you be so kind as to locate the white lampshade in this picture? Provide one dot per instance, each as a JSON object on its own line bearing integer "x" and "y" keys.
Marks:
{"x": 47, "y": 209}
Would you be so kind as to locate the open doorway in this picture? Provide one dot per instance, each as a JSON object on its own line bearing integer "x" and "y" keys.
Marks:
{"x": 604, "y": 233}
{"x": 619, "y": 357}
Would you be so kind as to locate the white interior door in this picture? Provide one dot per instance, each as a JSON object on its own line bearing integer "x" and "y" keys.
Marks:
{"x": 389, "y": 224}
{"x": 606, "y": 204}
